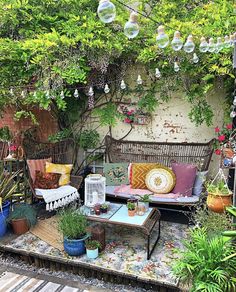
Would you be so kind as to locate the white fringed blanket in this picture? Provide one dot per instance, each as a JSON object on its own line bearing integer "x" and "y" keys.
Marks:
{"x": 56, "y": 198}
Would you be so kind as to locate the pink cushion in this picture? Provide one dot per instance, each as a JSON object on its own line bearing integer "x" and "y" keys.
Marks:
{"x": 37, "y": 164}
{"x": 185, "y": 177}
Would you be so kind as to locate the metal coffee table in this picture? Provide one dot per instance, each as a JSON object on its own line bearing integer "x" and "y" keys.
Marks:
{"x": 118, "y": 215}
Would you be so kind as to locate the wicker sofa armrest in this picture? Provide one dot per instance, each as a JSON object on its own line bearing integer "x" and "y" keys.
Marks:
{"x": 75, "y": 181}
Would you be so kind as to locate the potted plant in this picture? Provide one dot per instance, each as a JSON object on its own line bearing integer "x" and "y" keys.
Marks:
{"x": 144, "y": 202}
{"x": 104, "y": 208}
{"x": 92, "y": 247}
{"x": 22, "y": 218}
{"x": 219, "y": 196}
{"x": 73, "y": 224}
{"x": 7, "y": 189}
{"x": 131, "y": 208}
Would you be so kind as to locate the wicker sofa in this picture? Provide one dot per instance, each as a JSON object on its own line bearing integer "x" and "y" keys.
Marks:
{"x": 162, "y": 152}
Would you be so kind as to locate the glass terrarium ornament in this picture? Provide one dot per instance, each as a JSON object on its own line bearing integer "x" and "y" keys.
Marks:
{"x": 162, "y": 38}
{"x": 106, "y": 11}
{"x": 95, "y": 190}
{"x": 177, "y": 43}
{"x": 203, "y": 47}
{"x": 131, "y": 29}
{"x": 189, "y": 45}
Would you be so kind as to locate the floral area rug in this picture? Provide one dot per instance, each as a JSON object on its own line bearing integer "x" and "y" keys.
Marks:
{"x": 125, "y": 251}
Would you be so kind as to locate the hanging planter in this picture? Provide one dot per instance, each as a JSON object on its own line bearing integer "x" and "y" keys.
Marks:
{"x": 142, "y": 119}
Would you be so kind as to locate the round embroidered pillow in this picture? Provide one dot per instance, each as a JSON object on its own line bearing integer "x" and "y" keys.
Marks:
{"x": 160, "y": 180}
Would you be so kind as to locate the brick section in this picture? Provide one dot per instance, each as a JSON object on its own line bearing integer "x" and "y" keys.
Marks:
{"x": 47, "y": 123}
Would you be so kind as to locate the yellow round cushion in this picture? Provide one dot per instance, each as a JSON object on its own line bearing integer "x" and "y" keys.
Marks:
{"x": 160, "y": 180}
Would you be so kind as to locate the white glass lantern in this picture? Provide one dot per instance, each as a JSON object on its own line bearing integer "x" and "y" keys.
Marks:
{"x": 95, "y": 190}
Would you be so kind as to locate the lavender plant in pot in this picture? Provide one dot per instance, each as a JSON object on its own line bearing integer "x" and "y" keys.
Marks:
{"x": 92, "y": 247}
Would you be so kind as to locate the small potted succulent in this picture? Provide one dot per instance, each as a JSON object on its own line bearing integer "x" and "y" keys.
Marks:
{"x": 131, "y": 208}
{"x": 219, "y": 196}
{"x": 22, "y": 218}
{"x": 73, "y": 224}
{"x": 104, "y": 208}
{"x": 92, "y": 247}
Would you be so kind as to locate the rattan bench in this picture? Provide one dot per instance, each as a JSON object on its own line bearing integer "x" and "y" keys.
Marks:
{"x": 163, "y": 152}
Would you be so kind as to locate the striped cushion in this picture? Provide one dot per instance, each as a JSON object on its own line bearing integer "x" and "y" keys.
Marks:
{"x": 139, "y": 172}
{"x": 37, "y": 164}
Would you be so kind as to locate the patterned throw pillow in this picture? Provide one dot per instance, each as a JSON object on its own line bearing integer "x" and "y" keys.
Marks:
{"x": 160, "y": 180}
{"x": 46, "y": 180}
{"x": 139, "y": 172}
{"x": 116, "y": 174}
{"x": 63, "y": 169}
{"x": 37, "y": 164}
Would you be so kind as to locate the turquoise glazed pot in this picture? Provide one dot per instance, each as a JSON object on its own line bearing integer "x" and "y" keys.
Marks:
{"x": 92, "y": 253}
{"x": 75, "y": 247}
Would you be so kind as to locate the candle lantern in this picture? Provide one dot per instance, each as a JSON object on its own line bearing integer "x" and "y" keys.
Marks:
{"x": 95, "y": 190}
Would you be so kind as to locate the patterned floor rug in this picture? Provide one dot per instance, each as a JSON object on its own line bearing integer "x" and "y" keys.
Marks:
{"x": 125, "y": 252}
{"x": 11, "y": 282}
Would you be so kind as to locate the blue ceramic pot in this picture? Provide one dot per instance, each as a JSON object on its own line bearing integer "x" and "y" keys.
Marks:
{"x": 6, "y": 208}
{"x": 75, "y": 247}
{"x": 92, "y": 253}
{"x": 3, "y": 225}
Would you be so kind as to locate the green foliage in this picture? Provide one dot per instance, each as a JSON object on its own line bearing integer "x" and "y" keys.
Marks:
{"x": 59, "y": 136}
{"x": 204, "y": 263}
{"x": 89, "y": 139}
{"x": 145, "y": 198}
{"x": 73, "y": 224}
{"x": 92, "y": 244}
{"x": 21, "y": 211}
{"x": 5, "y": 134}
{"x": 218, "y": 188}
{"x": 7, "y": 186}
{"x": 108, "y": 114}
{"x": 131, "y": 206}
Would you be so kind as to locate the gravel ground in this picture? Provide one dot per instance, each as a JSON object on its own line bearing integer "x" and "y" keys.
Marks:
{"x": 17, "y": 264}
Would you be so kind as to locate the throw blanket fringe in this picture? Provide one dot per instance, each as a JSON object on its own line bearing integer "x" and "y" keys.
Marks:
{"x": 60, "y": 197}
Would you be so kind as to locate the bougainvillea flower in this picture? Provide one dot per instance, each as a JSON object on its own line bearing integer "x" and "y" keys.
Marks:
{"x": 217, "y": 129}
{"x": 129, "y": 113}
{"x": 127, "y": 120}
{"x": 221, "y": 138}
{"x": 217, "y": 152}
{"x": 229, "y": 126}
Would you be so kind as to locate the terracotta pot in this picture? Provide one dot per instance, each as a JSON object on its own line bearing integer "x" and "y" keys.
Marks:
{"x": 218, "y": 203}
{"x": 20, "y": 226}
{"x": 131, "y": 213}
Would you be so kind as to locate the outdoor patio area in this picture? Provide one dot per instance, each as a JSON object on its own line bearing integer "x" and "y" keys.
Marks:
{"x": 124, "y": 255}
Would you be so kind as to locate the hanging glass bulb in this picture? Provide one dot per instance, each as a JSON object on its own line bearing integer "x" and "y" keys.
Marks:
{"x": 219, "y": 45}
{"x": 122, "y": 85}
{"x": 176, "y": 67}
{"x": 212, "y": 46}
{"x": 177, "y": 43}
{"x": 11, "y": 92}
{"x": 234, "y": 102}
{"x": 47, "y": 94}
{"x": 189, "y": 45}
{"x": 62, "y": 94}
{"x": 106, "y": 89}
{"x": 76, "y": 93}
{"x": 35, "y": 94}
{"x": 203, "y": 47}
{"x": 139, "y": 80}
{"x": 233, "y": 114}
{"x": 23, "y": 94}
{"x": 232, "y": 39}
{"x": 131, "y": 29}
{"x": 157, "y": 73}
{"x": 227, "y": 43}
{"x": 91, "y": 93}
{"x": 195, "y": 58}
{"x": 162, "y": 38}
{"x": 106, "y": 11}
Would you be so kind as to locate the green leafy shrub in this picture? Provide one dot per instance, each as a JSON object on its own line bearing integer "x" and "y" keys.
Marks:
{"x": 89, "y": 139}
{"x": 218, "y": 188}
{"x": 205, "y": 263}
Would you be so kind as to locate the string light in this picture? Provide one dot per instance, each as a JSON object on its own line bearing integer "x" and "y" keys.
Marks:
{"x": 219, "y": 45}
{"x": 47, "y": 94}
{"x": 176, "y": 67}
{"x": 122, "y": 85}
{"x": 177, "y": 43}
{"x": 227, "y": 43}
{"x": 131, "y": 29}
{"x": 162, "y": 38}
{"x": 203, "y": 47}
{"x": 195, "y": 58}
{"x": 189, "y": 45}
{"x": 106, "y": 11}
{"x": 11, "y": 92}
{"x": 106, "y": 89}
{"x": 23, "y": 94}
{"x": 139, "y": 80}
{"x": 76, "y": 93}
{"x": 62, "y": 95}
{"x": 212, "y": 46}
{"x": 233, "y": 114}
{"x": 91, "y": 92}
{"x": 157, "y": 73}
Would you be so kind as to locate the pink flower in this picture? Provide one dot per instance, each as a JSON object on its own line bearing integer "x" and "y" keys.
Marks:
{"x": 229, "y": 126}
{"x": 129, "y": 113}
{"x": 221, "y": 138}
{"x": 127, "y": 120}
{"x": 217, "y": 152}
{"x": 217, "y": 129}
{"x": 13, "y": 148}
